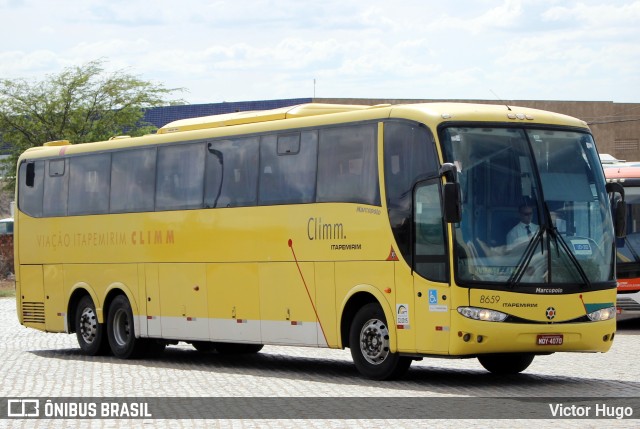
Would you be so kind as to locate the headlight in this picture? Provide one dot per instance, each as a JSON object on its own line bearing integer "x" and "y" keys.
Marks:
{"x": 482, "y": 314}
{"x": 602, "y": 314}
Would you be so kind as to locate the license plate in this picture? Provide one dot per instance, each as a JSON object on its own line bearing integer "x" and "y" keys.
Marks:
{"x": 550, "y": 340}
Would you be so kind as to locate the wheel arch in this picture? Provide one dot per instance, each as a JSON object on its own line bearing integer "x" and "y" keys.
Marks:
{"x": 359, "y": 297}
{"x": 116, "y": 289}
{"x": 81, "y": 289}
{"x": 78, "y": 291}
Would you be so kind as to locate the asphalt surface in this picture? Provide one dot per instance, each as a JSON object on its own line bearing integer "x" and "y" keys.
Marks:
{"x": 41, "y": 365}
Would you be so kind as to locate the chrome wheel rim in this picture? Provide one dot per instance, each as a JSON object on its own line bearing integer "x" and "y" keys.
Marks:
{"x": 88, "y": 325}
{"x": 121, "y": 327}
{"x": 374, "y": 341}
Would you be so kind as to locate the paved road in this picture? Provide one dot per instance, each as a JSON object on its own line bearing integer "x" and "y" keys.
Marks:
{"x": 36, "y": 364}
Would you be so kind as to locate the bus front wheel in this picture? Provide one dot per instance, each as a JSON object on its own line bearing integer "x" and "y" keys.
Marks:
{"x": 369, "y": 344}
{"x": 120, "y": 330}
{"x": 89, "y": 331}
{"x": 506, "y": 363}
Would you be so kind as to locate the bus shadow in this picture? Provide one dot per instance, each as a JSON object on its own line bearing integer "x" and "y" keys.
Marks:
{"x": 419, "y": 378}
{"x": 628, "y": 325}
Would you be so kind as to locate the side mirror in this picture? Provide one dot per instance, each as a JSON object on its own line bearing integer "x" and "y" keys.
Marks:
{"x": 451, "y": 197}
{"x": 619, "y": 207}
{"x": 620, "y": 219}
{"x": 452, "y": 203}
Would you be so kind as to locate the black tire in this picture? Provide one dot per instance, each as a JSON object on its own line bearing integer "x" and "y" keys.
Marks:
{"x": 237, "y": 348}
{"x": 506, "y": 363}
{"x": 369, "y": 344}
{"x": 204, "y": 346}
{"x": 90, "y": 333}
{"x": 121, "y": 332}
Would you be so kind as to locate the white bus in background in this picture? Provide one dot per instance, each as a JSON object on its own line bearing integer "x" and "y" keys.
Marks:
{"x": 628, "y": 248}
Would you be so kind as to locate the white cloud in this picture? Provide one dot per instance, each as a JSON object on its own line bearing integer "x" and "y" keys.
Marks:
{"x": 261, "y": 49}
{"x": 600, "y": 14}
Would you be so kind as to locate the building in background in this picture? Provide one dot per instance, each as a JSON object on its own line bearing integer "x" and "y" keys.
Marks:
{"x": 615, "y": 126}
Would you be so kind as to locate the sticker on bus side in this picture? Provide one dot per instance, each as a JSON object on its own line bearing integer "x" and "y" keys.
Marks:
{"x": 402, "y": 316}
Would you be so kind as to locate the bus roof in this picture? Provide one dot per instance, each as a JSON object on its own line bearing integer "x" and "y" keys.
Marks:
{"x": 205, "y": 127}
{"x": 460, "y": 111}
{"x": 253, "y": 116}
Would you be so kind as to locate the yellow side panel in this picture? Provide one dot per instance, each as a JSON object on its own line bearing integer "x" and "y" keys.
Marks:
{"x": 32, "y": 296}
{"x": 287, "y": 304}
{"x": 233, "y": 291}
{"x": 404, "y": 295}
{"x": 32, "y": 287}
{"x": 55, "y": 306}
{"x": 183, "y": 301}
{"x": 326, "y": 301}
{"x": 432, "y": 315}
{"x": 152, "y": 300}
{"x": 234, "y": 298}
{"x": 283, "y": 294}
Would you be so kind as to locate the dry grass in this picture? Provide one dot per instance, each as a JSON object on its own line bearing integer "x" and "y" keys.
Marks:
{"x": 7, "y": 288}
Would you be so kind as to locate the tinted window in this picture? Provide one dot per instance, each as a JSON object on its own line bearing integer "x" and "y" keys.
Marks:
{"x": 30, "y": 189}
{"x": 232, "y": 173}
{"x": 133, "y": 174}
{"x": 56, "y": 188}
{"x": 288, "y": 168}
{"x": 409, "y": 154}
{"x": 89, "y": 184}
{"x": 180, "y": 177}
{"x": 430, "y": 258}
{"x": 347, "y": 165}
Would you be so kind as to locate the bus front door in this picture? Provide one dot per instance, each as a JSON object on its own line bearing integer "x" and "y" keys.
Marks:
{"x": 430, "y": 271}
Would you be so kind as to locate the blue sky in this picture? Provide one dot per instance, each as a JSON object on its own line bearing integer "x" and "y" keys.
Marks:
{"x": 240, "y": 50}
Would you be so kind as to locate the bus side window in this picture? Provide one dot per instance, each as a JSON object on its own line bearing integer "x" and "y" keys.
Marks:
{"x": 56, "y": 188}
{"x": 30, "y": 187}
{"x": 409, "y": 153}
{"x": 347, "y": 165}
{"x": 133, "y": 174}
{"x": 232, "y": 173}
{"x": 90, "y": 178}
{"x": 180, "y": 177}
{"x": 288, "y": 168}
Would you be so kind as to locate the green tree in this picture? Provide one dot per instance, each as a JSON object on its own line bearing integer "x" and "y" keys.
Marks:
{"x": 81, "y": 104}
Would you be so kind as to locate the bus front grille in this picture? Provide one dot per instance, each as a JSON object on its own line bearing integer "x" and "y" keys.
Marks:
{"x": 33, "y": 312}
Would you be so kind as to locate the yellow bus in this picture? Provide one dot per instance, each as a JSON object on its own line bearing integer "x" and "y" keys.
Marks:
{"x": 383, "y": 229}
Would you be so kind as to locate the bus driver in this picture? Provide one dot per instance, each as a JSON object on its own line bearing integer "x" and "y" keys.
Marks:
{"x": 524, "y": 230}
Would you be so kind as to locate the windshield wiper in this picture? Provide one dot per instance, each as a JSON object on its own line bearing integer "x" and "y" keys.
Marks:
{"x": 553, "y": 232}
{"x": 524, "y": 261}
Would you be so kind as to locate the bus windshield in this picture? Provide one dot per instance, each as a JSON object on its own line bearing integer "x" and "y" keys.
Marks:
{"x": 534, "y": 208}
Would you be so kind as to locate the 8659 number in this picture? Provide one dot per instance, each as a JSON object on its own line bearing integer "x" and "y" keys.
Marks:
{"x": 489, "y": 299}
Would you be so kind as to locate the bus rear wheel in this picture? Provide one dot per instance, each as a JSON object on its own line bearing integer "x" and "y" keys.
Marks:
{"x": 121, "y": 332}
{"x": 89, "y": 331}
{"x": 369, "y": 344}
{"x": 506, "y": 363}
